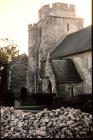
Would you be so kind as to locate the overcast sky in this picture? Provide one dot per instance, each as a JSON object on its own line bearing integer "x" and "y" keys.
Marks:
{"x": 15, "y": 15}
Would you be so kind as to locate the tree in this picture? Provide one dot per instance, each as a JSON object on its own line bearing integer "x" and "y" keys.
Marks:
{"x": 8, "y": 51}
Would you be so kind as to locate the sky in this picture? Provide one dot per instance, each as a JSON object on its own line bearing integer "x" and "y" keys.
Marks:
{"x": 15, "y": 15}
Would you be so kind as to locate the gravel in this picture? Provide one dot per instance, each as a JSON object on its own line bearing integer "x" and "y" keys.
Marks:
{"x": 59, "y": 123}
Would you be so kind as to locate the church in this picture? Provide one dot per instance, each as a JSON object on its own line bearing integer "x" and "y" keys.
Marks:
{"x": 59, "y": 53}
{"x": 55, "y": 23}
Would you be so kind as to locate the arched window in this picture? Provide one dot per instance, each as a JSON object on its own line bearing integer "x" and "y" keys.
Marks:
{"x": 67, "y": 26}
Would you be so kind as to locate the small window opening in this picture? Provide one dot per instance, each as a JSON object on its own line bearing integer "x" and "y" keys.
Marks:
{"x": 67, "y": 27}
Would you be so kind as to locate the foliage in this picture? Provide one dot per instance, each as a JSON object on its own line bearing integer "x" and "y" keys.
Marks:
{"x": 8, "y": 51}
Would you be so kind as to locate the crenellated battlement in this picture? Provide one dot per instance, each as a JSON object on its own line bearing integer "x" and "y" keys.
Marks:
{"x": 62, "y": 7}
{"x": 71, "y": 7}
{"x": 32, "y": 27}
{"x": 45, "y": 7}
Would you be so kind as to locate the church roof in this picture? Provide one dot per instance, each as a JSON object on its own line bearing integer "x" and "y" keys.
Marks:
{"x": 65, "y": 71}
{"x": 76, "y": 42}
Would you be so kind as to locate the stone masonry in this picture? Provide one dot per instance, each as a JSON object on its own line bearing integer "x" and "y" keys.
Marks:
{"x": 18, "y": 74}
{"x": 54, "y": 24}
{"x": 83, "y": 62}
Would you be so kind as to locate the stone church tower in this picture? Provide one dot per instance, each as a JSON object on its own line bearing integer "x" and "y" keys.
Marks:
{"x": 55, "y": 23}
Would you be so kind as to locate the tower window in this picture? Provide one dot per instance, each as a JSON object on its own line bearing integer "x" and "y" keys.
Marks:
{"x": 67, "y": 27}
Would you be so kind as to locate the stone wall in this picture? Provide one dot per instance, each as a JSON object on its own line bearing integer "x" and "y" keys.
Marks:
{"x": 18, "y": 74}
{"x": 83, "y": 63}
{"x": 54, "y": 30}
{"x": 33, "y": 43}
{"x": 49, "y": 73}
{"x": 61, "y": 8}
{"x": 45, "y": 36}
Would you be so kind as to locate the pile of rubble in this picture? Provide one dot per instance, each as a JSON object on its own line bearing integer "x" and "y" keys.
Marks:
{"x": 59, "y": 123}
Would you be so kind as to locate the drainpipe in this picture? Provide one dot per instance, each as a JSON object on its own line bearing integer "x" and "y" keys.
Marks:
{"x": 37, "y": 71}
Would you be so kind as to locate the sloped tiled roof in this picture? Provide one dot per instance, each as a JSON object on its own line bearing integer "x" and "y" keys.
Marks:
{"x": 76, "y": 42}
{"x": 65, "y": 71}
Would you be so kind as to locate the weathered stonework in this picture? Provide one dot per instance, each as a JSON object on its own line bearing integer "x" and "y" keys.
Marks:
{"x": 18, "y": 74}
{"x": 83, "y": 63}
{"x": 55, "y": 24}
{"x": 58, "y": 9}
{"x": 49, "y": 73}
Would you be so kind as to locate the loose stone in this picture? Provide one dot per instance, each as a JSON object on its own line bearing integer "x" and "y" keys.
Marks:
{"x": 59, "y": 123}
